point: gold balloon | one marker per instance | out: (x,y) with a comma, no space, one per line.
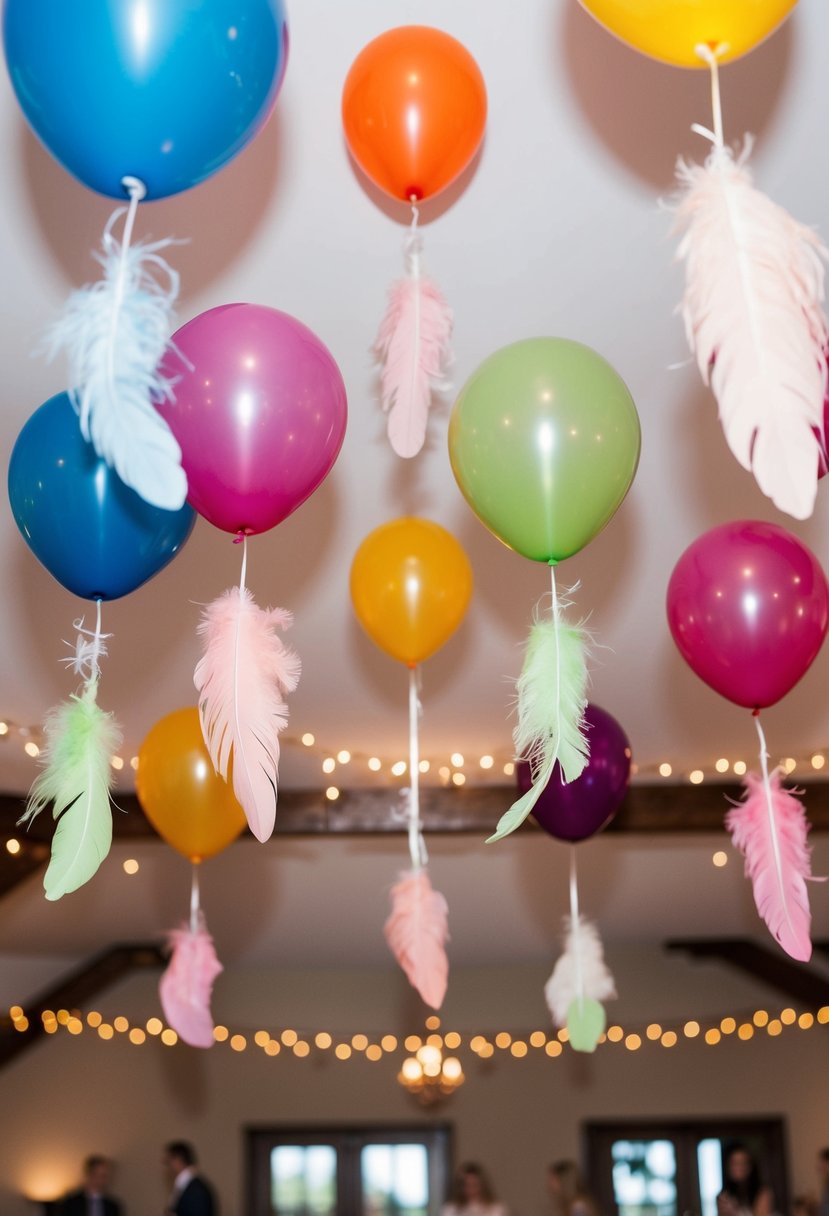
(192,808)
(410,586)
(671,30)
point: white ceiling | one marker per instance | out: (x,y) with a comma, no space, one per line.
(557,231)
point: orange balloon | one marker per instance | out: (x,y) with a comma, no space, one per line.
(410,586)
(192,808)
(414,110)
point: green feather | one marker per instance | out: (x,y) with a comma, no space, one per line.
(552,698)
(80,741)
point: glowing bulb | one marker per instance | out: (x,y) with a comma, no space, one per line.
(169,1037)
(424,766)
(503,1039)
(373,1052)
(220,1033)
(117,763)
(696,776)
(411,1070)
(456,759)
(722,765)
(459,778)
(94,1019)
(155,1026)
(509,769)
(712,1036)
(433,1022)
(398,768)
(302,1049)
(359,1042)
(720,859)
(329,764)
(137,1036)
(342,1051)
(553,1048)
(654,1031)
(238,1042)
(818,760)
(289,1037)
(453,1040)
(133,762)
(452,1069)
(31,749)
(375,764)
(615,1034)
(343,756)
(690,1029)
(4,728)
(131,866)
(444,773)
(388,1042)
(518,1049)
(261,1038)
(323,1040)
(486,762)
(308,739)
(665,770)
(739,767)
(332,793)
(13,846)
(633,1042)
(669,1038)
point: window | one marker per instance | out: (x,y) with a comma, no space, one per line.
(348,1171)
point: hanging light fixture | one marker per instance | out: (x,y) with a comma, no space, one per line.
(430,1076)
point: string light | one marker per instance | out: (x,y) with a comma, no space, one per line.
(13,846)
(375,764)
(398,768)
(332,793)
(343,756)
(131,866)
(720,859)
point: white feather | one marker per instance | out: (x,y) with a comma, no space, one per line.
(115,333)
(580,971)
(754,319)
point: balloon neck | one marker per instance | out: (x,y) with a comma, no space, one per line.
(755,713)
(552,561)
(196,861)
(241,535)
(412,666)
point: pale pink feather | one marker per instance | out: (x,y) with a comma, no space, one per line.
(416,932)
(242,679)
(772,838)
(187,985)
(753,315)
(413,347)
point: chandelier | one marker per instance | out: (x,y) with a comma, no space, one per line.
(429,1076)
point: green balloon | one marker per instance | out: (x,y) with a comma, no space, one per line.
(544,442)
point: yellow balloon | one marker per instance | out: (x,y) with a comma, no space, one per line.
(192,808)
(410,586)
(671,30)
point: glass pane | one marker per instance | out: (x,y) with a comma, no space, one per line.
(644,1177)
(304,1180)
(395,1179)
(709,1168)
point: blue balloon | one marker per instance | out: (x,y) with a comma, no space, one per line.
(91,532)
(163,90)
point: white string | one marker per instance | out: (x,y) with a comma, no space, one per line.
(244,574)
(88,649)
(574,927)
(136,191)
(557,622)
(711,57)
(775,843)
(417,849)
(195,904)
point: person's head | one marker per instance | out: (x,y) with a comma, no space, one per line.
(471,1185)
(96,1171)
(823,1166)
(178,1156)
(741,1176)
(564,1182)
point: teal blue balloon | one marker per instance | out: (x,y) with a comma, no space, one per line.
(166,91)
(91,532)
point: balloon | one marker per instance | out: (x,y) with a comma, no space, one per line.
(414,110)
(163,90)
(260,414)
(585,806)
(748,607)
(671,30)
(192,808)
(91,532)
(410,585)
(544,443)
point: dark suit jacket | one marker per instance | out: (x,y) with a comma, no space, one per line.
(75,1204)
(196,1199)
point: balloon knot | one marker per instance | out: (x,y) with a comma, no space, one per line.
(755,713)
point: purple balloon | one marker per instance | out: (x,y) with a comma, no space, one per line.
(748,607)
(583,807)
(260,414)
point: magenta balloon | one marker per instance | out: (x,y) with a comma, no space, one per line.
(260,414)
(748,607)
(583,807)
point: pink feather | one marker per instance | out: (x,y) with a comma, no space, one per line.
(242,679)
(186,986)
(413,347)
(771,833)
(754,319)
(416,932)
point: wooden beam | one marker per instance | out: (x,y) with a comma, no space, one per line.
(73,991)
(770,966)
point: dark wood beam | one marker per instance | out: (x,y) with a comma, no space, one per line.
(73,991)
(800,983)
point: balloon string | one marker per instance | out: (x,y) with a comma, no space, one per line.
(136,191)
(556,629)
(574,926)
(711,56)
(244,573)
(764,769)
(195,905)
(417,850)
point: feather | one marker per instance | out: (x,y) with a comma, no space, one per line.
(413,348)
(552,699)
(77,775)
(115,333)
(754,319)
(242,678)
(416,931)
(580,975)
(187,984)
(770,831)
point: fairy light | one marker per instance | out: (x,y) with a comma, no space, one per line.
(456,760)
(131,866)
(13,846)
(712,1036)
(169,1037)
(117,763)
(459,779)
(93,1019)
(509,769)
(654,1031)
(31,749)
(105,1031)
(775,1027)
(238,1042)
(359,1042)
(272,1048)
(722,765)
(788,1017)
(412,1042)
(806,1021)
(789,765)
(519,1049)
(398,768)
(261,1038)
(424,766)
(322,1040)
(665,770)
(486,762)
(760,1018)
(503,1039)
(691,1029)
(343,756)
(720,859)
(615,1034)
(696,776)
(374,1052)
(375,764)
(137,1036)
(739,767)
(633,1042)
(154,1026)
(329,764)
(669,1038)
(537,1039)
(342,1051)
(134,762)
(289,1037)
(745,1032)
(388,1043)
(302,1049)
(554,1048)
(433,1022)
(120,1024)
(444,772)
(332,793)
(4,729)
(308,740)
(220,1033)
(728,1026)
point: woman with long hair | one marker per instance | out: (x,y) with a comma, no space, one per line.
(742,1194)
(568,1191)
(472,1193)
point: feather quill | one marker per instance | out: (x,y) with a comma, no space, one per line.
(242,679)
(754,318)
(414,351)
(771,833)
(186,986)
(552,699)
(416,931)
(115,333)
(580,974)
(80,741)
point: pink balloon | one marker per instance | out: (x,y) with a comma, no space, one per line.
(260,414)
(748,607)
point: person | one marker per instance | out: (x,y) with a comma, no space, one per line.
(472,1194)
(568,1191)
(190,1194)
(742,1194)
(823,1176)
(92,1198)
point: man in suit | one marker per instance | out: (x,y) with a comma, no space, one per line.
(92,1198)
(190,1194)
